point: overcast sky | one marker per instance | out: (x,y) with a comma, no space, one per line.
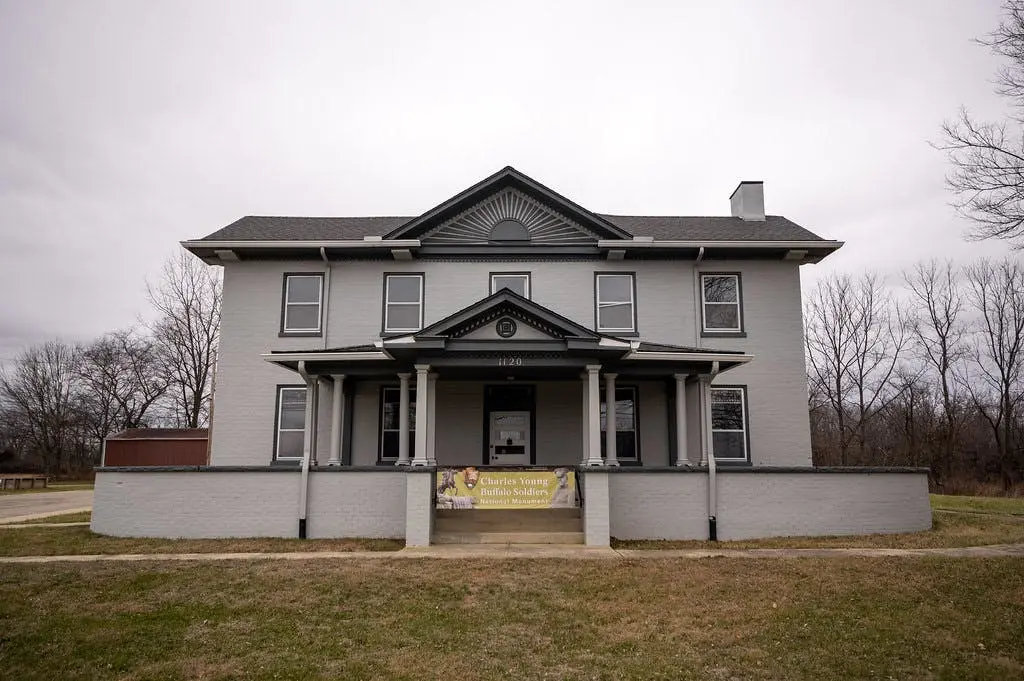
(126,127)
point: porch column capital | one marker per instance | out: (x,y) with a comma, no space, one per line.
(421,368)
(611,422)
(593,369)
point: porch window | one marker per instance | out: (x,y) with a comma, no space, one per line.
(390,401)
(616,303)
(403,302)
(517,282)
(626,447)
(720,296)
(291,422)
(303,295)
(729,423)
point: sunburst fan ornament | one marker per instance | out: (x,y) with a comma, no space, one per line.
(499,219)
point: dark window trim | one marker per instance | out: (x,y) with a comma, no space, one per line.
(746,423)
(597,318)
(384,302)
(635,387)
(282,332)
(529,282)
(723,333)
(381,461)
(277,419)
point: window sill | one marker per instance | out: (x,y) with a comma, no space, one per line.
(723,334)
(299,334)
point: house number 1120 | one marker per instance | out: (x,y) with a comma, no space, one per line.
(510,361)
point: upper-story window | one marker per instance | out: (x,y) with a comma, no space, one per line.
(403,302)
(721,303)
(616,302)
(517,282)
(302,304)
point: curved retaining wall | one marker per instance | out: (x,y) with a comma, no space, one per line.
(206,502)
(766,502)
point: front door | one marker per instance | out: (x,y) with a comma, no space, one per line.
(510,438)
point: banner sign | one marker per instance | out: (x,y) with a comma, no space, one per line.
(468,488)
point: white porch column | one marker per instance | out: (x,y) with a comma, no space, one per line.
(584,428)
(403,420)
(593,416)
(422,414)
(681,456)
(309,435)
(707,442)
(337,419)
(431,421)
(611,444)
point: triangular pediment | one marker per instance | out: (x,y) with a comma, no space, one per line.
(518,206)
(489,319)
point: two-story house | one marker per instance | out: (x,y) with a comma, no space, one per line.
(509,326)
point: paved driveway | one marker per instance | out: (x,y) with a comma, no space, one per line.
(18,505)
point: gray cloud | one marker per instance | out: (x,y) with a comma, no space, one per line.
(126,127)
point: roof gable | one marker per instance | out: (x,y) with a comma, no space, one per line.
(510,209)
(472,199)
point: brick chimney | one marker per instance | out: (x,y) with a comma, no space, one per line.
(747,201)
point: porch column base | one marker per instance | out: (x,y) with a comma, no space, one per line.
(419,508)
(596,509)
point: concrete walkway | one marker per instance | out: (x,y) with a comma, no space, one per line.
(541,551)
(30,505)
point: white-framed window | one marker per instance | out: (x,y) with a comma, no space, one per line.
(303,298)
(517,282)
(390,411)
(403,302)
(720,299)
(290,424)
(626,445)
(729,423)
(616,302)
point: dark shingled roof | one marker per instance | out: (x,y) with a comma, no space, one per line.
(162,434)
(262,228)
(664,347)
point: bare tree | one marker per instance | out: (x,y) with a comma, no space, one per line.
(937,332)
(988,158)
(186,333)
(38,398)
(855,336)
(994,378)
(122,379)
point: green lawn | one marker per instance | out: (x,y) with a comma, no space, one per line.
(717,618)
(53,487)
(80,517)
(997,505)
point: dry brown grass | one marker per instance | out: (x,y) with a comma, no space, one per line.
(434,619)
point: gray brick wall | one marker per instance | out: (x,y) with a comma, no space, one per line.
(247,504)
(659,506)
(243,421)
(419,507)
(674,505)
(596,508)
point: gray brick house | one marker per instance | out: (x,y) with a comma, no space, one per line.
(659,357)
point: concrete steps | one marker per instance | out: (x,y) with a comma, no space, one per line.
(513,526)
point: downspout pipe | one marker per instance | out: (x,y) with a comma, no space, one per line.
(306,453)
(327,292)
(712,466)
(698,322)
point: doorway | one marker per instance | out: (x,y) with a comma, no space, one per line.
(509,428)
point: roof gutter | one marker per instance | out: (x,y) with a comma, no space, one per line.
(629,245)
(349,243)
